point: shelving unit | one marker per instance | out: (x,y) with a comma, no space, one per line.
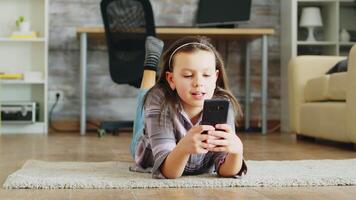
(24,56)
(336,15)
(22,40)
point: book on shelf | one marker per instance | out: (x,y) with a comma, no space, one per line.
(11,76)
(23,35)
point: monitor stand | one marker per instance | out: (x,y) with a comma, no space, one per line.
(220,26)
(226,26)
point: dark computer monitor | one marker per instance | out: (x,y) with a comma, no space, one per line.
(215,13)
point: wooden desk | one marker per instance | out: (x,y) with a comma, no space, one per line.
(175,33)
(245,34)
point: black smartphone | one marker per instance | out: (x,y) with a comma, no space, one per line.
(215,111)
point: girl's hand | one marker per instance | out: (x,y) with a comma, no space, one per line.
(228,141)
(194,142)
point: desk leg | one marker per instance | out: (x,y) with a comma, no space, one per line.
(83,75)
(264,83)
(247,86)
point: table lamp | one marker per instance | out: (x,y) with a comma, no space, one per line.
(310,19)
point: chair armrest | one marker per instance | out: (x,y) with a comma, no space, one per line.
(300,70)
(351,96)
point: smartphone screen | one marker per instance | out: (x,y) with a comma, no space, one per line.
(215,111)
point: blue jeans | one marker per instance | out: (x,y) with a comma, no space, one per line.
(139,122)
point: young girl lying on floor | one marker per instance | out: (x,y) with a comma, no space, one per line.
(167,131)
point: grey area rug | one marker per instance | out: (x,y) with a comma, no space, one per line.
(53,175)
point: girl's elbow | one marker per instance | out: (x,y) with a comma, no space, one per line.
(227,175)
(171,176)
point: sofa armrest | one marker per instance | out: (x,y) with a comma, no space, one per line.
(300,70)
(351,96)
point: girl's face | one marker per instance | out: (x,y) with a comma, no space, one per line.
(194,77)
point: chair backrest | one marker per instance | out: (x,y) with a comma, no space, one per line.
(127,23)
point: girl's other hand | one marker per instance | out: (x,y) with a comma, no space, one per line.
(228,141)
(194,142)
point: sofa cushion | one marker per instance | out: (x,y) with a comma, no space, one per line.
(316,89)
(340,66)
(327,87)
(337,86)
(325,120)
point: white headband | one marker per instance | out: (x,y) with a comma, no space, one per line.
(183,45)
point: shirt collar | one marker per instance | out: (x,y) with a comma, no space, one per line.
(186,116)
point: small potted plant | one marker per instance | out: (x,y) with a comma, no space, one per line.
(22,25)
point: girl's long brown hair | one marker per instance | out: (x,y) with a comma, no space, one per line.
(171,98)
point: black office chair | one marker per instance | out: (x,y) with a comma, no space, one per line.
(127,23)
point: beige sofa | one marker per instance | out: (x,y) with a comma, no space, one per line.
(322,106)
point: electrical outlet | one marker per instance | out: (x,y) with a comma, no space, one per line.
(52,96)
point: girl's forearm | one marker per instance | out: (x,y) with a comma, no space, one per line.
(175,162)
(231,166)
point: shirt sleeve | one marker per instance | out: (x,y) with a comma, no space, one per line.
(159,129)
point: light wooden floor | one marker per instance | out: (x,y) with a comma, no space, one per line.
(16,149)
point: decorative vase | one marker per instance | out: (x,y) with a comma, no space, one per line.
(344,36)
(25,26)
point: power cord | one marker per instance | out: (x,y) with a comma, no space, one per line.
(274,129)
(52,127)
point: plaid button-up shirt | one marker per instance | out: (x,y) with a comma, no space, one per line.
(160,137)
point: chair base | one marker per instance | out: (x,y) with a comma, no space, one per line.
(114,127)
